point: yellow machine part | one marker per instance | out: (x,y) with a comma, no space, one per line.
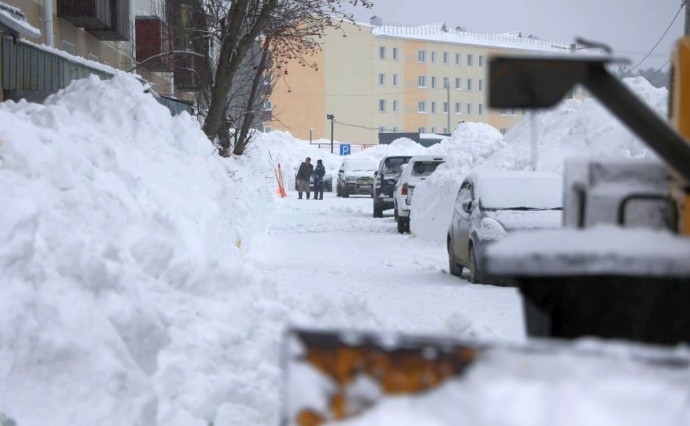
(679,116)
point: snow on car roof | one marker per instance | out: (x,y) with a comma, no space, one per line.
(505,190)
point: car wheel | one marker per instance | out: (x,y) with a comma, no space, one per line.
(454,268)
(344,193)
(395,213)
(377,211)
(401,225)
(475,274)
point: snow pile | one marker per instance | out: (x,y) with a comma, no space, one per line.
(470,144)
(125,296)
(573,129)
(283,148)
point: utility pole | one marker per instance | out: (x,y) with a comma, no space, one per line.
(446,82)
(687,18)
(332,118)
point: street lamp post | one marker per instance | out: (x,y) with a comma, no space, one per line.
(311,129)
(446,83)
(332,118)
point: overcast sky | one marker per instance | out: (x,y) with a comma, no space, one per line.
(630,27)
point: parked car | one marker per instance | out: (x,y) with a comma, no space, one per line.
(385,179)
(491,204)
(356,176)
(327,181)
(416,170)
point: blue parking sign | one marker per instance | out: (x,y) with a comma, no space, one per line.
(345,149)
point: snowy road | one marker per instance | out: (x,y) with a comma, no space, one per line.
(334,261)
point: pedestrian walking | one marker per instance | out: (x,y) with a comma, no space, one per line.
(319,173)
(306,169)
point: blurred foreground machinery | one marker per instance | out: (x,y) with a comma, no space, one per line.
(620,267)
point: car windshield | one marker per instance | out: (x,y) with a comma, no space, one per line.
(358,166)
(424,168)
(392,166)
(528,193)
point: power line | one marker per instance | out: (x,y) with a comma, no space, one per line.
(659,41)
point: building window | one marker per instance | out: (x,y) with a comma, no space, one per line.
(446,57)
(469,109)
(382,129)
(421,107)
(481,60)
(433,82)
(382,79)
(382,52)
(433,130)
(480,110)
(481,85)
(421,81)
(68,47)
(422,130)
(268,106)
(433,107)
(512,111)
(457,59)
(395,106)
(469,84)
(382,105)
(503,111)
(433,57)
(395,53)
(396,81)
(445,107)
(458,83)
(445,130)
(469,60)
(395,129)
(458,108)
(421,56)
(268,129)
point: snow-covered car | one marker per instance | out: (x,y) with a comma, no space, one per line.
(356,176)
(489,205)
(385,179)
(416,170)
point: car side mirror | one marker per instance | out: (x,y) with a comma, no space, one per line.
(467,206)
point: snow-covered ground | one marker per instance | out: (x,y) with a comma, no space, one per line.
(145,280)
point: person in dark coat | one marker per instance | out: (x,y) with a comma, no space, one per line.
(306,169)
(319,173)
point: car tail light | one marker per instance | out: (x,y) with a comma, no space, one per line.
(403,190)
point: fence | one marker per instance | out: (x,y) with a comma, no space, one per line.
(32,73)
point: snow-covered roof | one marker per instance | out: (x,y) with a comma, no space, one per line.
(441,33)
(14,21)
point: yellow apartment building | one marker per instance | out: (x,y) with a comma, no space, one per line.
(390,78)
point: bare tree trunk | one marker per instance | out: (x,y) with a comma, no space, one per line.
(243,140)
(233,50)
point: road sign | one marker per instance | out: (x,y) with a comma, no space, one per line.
(345,149)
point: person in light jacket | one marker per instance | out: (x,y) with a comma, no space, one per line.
(319,173)
(306,169)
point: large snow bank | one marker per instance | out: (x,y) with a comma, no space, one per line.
(469,145)
(574,128)
(125,297)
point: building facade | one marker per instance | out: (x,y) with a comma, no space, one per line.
(380,78)
(80,37)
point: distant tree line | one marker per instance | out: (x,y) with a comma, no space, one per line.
(657,77)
